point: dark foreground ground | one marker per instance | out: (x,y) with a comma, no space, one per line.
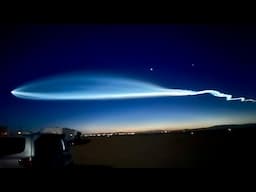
(209,148)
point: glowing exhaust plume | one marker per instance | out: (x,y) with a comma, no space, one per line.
(96,87)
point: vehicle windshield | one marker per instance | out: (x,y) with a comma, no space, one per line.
(9,146)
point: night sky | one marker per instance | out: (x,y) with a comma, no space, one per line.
(191,57)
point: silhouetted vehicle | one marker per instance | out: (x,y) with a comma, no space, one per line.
(35,150)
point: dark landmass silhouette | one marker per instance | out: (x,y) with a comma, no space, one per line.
(217,146)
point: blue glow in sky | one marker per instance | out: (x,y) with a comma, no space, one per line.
(96,87)
(130,59)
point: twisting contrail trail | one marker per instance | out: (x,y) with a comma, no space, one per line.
(99,87)
(219,94)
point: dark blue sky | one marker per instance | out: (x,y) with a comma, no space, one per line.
(223,57)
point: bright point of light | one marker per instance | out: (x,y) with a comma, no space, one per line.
(19,133)
(151,69)
(95,87)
